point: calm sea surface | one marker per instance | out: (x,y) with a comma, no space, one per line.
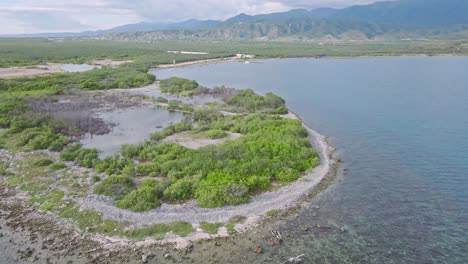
(401,126)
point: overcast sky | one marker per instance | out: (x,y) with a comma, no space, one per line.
(33,16)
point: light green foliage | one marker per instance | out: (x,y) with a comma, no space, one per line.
(84,157)
(158,231)
(43,162)
(282,110)
(171,130)
(95,178)
(4,167)
(206,116)
(115,186)
(181,190)
(215,134)
(230,227)
(176,105)
(272,148)
(249,101)
(182,229)
(49,201)
(42,138)
(130,151)
(272,213)
(143,199)
(210,228)
(58,166)
(178,86)
(115,165)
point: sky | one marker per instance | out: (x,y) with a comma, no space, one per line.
(35,16)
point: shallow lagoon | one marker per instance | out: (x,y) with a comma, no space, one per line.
(131,126)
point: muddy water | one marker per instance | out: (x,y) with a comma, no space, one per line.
(131,126)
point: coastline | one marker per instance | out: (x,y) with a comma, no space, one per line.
(195,62)
(282,200)
(257,59)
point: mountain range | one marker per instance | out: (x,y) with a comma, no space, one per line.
(403,18)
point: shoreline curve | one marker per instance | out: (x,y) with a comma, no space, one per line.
(285,198)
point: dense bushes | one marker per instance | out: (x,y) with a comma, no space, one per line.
(171,130)
(42,138)
(116,187)
(271,149)
(176,105)
(104,78)
(215,134)
(180,190)
(84,157)
(178,86)
(43,162)
(249,101)
(143,199)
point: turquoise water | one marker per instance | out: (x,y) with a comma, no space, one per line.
(401,126)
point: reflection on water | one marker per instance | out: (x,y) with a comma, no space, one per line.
(132,126)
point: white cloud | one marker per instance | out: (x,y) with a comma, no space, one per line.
(31,16)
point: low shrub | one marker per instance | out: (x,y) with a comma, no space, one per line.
(44,162)
(143,199)
(210,228)
(180,190)
(84,157)
(178,86)
(215,134)
(58,166)
(116,187)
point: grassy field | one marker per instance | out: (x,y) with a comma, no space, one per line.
(24,52)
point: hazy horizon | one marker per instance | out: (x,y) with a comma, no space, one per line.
(29,17)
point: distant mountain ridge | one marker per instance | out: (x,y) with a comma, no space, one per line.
(404,18)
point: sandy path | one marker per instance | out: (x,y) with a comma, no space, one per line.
(14,72)
(284,198)
(188,63)
(186,140)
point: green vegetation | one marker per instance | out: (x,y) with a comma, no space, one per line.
(84,157)
(4,167)
(142,199)
(210,228)
(170,130)
(58,166)
(115,186)
(44,162)
(182,229)
(215,134)
(178,86)
(271,149)
(250,102)
(230,227)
